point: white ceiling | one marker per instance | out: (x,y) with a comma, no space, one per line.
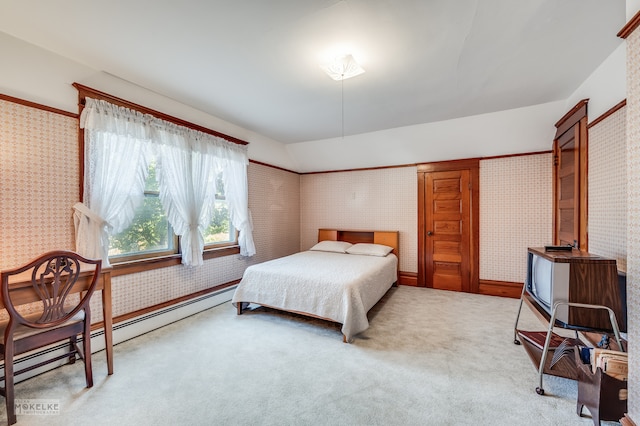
(255,63)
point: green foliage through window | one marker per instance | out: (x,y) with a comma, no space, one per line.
(151,232)
(220,229)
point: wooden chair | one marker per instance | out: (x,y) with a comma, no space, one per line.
(59,315)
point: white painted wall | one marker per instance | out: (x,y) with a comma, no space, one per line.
(519,130)
(37,75)
(31,73)
(633,6)
(605,87)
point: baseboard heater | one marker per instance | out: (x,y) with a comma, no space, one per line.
(123,331)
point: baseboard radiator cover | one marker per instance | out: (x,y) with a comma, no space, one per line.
(122,331)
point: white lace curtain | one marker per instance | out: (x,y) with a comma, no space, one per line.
(119,144)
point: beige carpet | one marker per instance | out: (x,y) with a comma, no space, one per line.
(429,358)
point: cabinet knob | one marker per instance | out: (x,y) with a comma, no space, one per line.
(429,233)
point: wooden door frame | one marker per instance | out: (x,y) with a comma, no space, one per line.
(473,165)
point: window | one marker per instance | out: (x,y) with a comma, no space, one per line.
(220,230)
(151,235)
(144,174)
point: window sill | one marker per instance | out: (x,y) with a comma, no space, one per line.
(134,266)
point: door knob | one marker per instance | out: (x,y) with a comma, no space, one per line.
(429,233)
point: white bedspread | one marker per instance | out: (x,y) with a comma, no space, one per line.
(340,287)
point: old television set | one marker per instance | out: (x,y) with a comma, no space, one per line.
(578,277)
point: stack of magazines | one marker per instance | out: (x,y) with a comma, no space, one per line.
(613,363)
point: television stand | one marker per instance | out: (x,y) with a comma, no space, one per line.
(539,355)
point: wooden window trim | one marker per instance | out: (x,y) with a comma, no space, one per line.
(149,264)
(162,261)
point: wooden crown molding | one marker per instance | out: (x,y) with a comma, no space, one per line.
(37,106)
(272,166)
(630,26)
(98,95)
(608,113)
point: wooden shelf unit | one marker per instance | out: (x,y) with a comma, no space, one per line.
(539,357)
(593,305)
(563,368)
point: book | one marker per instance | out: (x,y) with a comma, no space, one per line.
(558,248)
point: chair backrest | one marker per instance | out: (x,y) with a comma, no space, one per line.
(49,280)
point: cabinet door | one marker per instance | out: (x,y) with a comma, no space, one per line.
(567,190)
(570,179)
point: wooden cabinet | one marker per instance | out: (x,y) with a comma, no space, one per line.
(585,296)
(587,279)
(570,179)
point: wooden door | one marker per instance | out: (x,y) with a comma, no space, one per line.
(447,248)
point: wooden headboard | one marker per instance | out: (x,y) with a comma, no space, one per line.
(387,238)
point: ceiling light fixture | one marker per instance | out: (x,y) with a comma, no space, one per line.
(340,69)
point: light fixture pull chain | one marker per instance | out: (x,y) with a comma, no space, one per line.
(342,90)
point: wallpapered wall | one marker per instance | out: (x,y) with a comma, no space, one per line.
(39,177)
(39,185)
(516,195)
(607,227)
(273,201)
(515,212)
(633,220)
(383,199)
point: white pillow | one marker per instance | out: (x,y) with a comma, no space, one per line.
(370,249)
(333,246)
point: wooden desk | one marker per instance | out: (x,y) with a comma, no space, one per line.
(23,293)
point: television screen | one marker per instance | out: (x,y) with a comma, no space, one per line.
(542,279)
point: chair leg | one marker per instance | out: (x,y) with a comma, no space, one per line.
(8,385)
(72,348)
(86,343)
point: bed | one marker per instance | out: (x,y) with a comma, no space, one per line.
(339,279)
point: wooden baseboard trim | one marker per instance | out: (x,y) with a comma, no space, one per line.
(140,312)
(626,421)
(408,278)
(500,288)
